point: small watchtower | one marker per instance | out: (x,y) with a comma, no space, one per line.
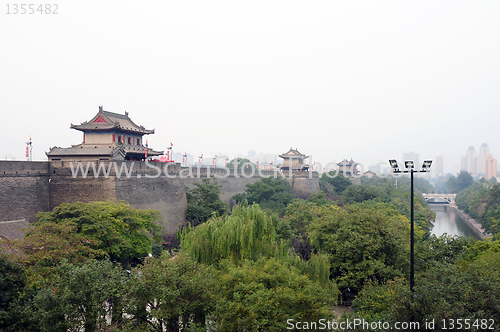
(350,167)
(294,160)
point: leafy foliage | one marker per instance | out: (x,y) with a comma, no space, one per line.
(204,201)
(81,297)
(177,292)
(262,295)
(441,184)
(421,184)
(442,249)
(270,193)
(394,191)
(363,243)
(81,231)
(247,234)
(240,164)
(460,182)
(361,193)
(319,198)
(333,184)
(463,285)
(12,283)
(482,204)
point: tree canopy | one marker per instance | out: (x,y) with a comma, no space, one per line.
(482,204)
(461,287)
(460,182)
(81,231)
(241,162)
(333,184)
(204,201)
(364,241)
(270,193)
(262,295)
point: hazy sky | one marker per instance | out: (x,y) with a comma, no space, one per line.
(367,80)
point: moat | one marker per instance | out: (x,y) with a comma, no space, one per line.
(450,222)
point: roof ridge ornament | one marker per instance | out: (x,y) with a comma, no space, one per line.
(100,108)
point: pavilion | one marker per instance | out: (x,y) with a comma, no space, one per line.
(294,160)
(107,136)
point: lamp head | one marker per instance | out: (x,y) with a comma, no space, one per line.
(394,165)
(409,164)
(427,164)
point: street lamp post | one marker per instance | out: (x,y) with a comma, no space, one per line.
(409,169)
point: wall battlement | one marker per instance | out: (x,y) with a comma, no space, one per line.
(29,187)
(24,168)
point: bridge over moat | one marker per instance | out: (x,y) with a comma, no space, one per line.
(440,198)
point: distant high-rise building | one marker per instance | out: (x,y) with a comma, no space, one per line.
(439,169)
(415,157)
(490,167)
(469,162)
(481,159)
(482,164)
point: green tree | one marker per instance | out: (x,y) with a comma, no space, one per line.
(81,296)
(247,234)
(441,186)
(270,193)
(204,201)
(265,294)
(364,242)
(463,286)
(240,164)
(298,216)
(482,204)
(117,229)
(177,292)
(442,249)
(319,198)
(361,193)
(12,284)
(400,198)
(81,231)
(421,185)
(333,184)
(459,183)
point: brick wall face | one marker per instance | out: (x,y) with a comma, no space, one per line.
(24,189)
(29,187)
(163,194)
(65,189)
(23,196)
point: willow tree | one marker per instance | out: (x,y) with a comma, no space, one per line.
(248,234)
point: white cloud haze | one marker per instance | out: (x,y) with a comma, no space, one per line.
(367,80)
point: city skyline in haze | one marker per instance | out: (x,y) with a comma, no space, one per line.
(367,81)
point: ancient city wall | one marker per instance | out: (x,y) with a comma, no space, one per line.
(29,187)
(24,189)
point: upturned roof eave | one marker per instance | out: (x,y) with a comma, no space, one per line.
(110,128)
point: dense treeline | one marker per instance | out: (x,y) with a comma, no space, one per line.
(82,268)
(88,267)
(462,286)
(482,202)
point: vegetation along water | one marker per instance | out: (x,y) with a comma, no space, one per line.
(274,259)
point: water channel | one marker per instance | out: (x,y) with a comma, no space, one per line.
(450,222)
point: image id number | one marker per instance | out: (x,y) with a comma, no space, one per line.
(24,8)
